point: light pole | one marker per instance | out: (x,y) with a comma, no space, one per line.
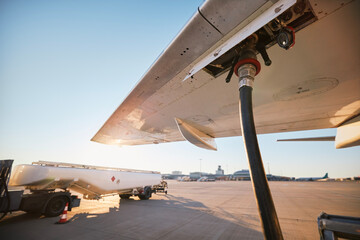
(200,166)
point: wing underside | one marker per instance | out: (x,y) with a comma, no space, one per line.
(314,85)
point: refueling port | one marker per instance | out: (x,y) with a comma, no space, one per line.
(279,30)
(286,37)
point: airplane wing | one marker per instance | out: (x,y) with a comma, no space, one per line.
(313,85)
(312,139)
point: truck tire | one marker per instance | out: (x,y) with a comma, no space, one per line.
(124,196)
(146,194)
(55,206)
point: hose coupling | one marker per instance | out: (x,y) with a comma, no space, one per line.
(246,73)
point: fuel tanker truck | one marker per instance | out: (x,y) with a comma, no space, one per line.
(45,186)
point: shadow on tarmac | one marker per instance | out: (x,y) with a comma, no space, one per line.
(169,217)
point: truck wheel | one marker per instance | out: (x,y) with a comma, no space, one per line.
(55,206)
(146,194)
(124,196)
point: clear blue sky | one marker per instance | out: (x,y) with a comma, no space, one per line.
(66,65)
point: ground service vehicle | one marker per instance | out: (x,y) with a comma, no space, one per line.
(46,200)
(49,185)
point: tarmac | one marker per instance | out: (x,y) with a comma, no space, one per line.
(193,210)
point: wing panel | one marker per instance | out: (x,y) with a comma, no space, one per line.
(314,85)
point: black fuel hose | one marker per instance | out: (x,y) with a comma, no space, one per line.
(270,222)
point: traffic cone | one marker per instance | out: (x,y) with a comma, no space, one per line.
(63,216)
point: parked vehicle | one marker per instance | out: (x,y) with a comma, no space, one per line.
(49,185)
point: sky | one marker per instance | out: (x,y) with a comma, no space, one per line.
(65,66)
